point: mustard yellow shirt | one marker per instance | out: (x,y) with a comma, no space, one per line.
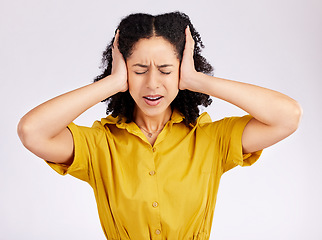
(165,191)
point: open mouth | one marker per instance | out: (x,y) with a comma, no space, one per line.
(153,100)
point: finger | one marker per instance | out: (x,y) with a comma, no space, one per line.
(190,43)
(116,38)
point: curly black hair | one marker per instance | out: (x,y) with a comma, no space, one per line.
(170,26)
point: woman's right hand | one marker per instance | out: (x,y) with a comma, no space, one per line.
(119,69)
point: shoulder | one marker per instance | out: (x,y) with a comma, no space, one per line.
(224,126)
(98,130)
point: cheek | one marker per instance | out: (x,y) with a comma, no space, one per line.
(132,84)
(175,80)
(173,85)
(136,85)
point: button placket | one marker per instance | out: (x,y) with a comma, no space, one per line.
(155,207)
(152,172)
(155,204)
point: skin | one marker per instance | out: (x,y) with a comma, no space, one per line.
(276,115)
(44,131)
(153,72)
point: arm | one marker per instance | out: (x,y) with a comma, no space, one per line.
(276,115)
(44,131)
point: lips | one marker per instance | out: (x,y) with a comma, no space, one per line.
(153,100)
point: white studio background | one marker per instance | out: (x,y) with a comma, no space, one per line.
(50,47)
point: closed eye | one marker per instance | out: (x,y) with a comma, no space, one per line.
(165,72)
(140,72)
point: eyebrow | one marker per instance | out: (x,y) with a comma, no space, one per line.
(165,65)
(146,66)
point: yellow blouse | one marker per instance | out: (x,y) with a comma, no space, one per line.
(164,191)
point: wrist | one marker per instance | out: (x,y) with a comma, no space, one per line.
(195,82)
(115,84)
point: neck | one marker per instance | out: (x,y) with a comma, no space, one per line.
(151,123)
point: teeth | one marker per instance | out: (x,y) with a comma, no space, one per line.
(152,98)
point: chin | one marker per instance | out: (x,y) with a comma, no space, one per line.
(152,111)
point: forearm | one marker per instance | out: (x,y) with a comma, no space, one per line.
(50,118)
(276,115)
(267,106)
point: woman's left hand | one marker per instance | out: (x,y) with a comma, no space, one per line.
(188,73)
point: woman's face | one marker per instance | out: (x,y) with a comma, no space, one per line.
(153,76)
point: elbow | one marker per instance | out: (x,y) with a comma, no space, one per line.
(22,131)
(295,117)
(25,133)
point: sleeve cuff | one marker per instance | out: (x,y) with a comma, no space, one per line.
(236,153)
(64,169)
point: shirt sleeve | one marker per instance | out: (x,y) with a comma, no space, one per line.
(85,139)
(227,136)
(235,156)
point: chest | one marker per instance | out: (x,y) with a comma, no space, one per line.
(137,167)
(172,180)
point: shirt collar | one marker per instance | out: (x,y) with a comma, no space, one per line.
(176,117)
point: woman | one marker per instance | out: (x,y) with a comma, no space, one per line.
(155,164)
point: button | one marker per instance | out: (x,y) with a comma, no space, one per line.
(155,204)
(158,231)
(154,149)
(152,173)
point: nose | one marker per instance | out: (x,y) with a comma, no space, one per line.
(152,80)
